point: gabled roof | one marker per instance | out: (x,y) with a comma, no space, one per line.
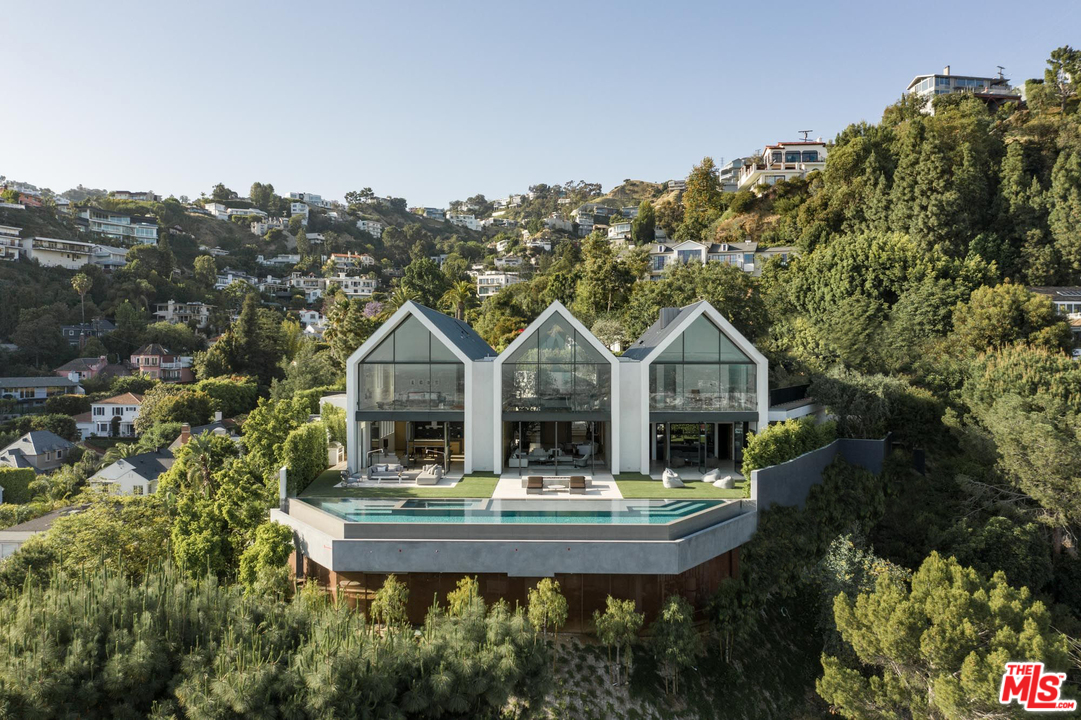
(86,363)
(34,382)
(124,399)
(147,466)
(733,247)
(656,334)
(152,349)
(38,442)
(457,332)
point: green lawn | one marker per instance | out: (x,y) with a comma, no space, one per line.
(471,486)
(636,485)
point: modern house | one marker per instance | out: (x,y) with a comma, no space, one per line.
(994,91)
(372,227)
(53,252)
(196,314)
(728,175)
(121,225)
(155,361)
(134,475)
(352,261)
(433,213)
(556,385)
(10,242)
(115,416)
(32,392)
(783,161)
(41,450)
(684,395)
(466,221)
(619,232)
(109,258)
(137,196)
(489,283)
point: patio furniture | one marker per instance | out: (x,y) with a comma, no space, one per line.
(430,475)
(712,476)
(385,471)
(518,460)
(534,484)
(583,461)
(538,454)
(577,484)
(670,478)
(726,483)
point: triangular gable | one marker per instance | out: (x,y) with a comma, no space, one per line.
(409,309)
(557,308)
(727,329)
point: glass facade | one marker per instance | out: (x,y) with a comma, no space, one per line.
(412,370)
(703,370)
(556,370)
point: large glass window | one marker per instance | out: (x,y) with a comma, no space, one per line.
(556,369)
(702,369)
(412,370)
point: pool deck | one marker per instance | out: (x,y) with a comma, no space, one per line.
(600,486)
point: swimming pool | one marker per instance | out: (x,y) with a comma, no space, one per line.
(466,511)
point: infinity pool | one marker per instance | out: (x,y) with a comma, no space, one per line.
(510,512)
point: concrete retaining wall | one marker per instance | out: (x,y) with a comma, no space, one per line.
(790,482)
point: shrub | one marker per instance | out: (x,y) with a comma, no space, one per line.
(334,418)
(62,425)
(67,404)
(270,551)
(231,395)
(16,484)
(305,455)
(173,403)
(781,442)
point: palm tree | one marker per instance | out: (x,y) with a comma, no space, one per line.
(460,296)
(82,284)
(395,300)
(199,449)
(121,450)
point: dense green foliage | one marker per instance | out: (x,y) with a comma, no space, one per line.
(781,442)
(16,483)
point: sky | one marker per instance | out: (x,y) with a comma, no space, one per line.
(437,101)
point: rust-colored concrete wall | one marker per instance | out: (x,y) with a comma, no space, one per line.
(584,593)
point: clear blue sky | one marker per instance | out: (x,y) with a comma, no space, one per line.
(437,101)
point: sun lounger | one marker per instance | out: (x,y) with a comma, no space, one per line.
(577,484)
(534,484)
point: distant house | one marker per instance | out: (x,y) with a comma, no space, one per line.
(82,368)
(619,232)
(351,261)
(32,392)
(309,199)
(155,361)
(115,416)
(677,184)
(12,538)
(433,213)
(279,260)
(177,313)
(121,225)
(77,335)
(228,276)
(137,196)
(783,161)
(134,475)
(41,450)
(555,221)
(1067,303)
(301,209)
(372,227)
(662,256)
(54,252)
(220,426)
(10,242)
(489,283)
(508,261)
(109,258)
(467,221)
(355,287)
(992,91)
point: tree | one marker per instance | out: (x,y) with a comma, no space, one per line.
(206,271)
(311,367)
(999,315)
(304,247)
(1063,73)
(262,195)
(1064,200)
(268,553)
(676,643)
(935,647)
(82,284)
(267,428)
(643,226)
(459,297)
(547,607)
(463,597)
(348,326)
(390,604)
(702,200)
(173,403)
(1039,446)
(618,627)
(220,193)
(425,281)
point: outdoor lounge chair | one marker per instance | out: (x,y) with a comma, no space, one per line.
(577,484)
(534,484)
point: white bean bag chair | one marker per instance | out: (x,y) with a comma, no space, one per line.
(712,476)
(670,478)
(726,483)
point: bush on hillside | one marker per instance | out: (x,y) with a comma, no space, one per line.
(305,455)
(782,442)
(16,483)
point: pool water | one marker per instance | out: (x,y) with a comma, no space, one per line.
(487,511)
